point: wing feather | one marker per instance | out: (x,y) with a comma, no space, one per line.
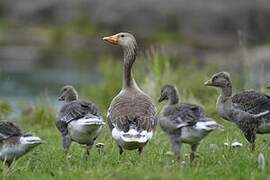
(251,101)
(183,114)
(8,129)
(75,110)
(136,111)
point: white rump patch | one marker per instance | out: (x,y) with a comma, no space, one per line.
(30,140)
(89,120)
(131,136)
(206,125)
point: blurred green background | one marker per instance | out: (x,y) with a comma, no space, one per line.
(45,44)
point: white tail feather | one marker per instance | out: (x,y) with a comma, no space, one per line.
(90,121)
(262,114)
(207,125)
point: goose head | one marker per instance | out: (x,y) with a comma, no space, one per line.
(221,80)
(129,46)
(124,39)
(168,92)
(68,93)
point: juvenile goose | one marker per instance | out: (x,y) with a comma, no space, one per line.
(248,109)
(78,120)
(14,143)
(183,122)
(131,115)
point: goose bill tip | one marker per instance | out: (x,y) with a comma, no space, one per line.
(207,83)
(111,39)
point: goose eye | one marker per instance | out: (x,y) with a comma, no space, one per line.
(122,35)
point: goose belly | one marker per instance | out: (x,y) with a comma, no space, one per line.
(11,152)
(190,135)
(84,132)
(166,125)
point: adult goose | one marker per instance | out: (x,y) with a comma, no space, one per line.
(249,110)
(78,121)
(183,122)
(132,114)
(14,143)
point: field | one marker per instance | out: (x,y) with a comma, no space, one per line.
(214,161)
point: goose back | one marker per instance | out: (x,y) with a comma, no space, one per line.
(180,115)
(132,108)
(8,129)
(75,110)
(251,102)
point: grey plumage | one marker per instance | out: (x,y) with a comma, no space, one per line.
(183,122)
(75,110)
(251,101)
(132,109)
(14,143)
(132,114)
(8,129)
(78,120)
(249,110)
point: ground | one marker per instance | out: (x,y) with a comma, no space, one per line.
(213,162)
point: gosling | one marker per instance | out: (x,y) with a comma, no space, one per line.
(183,122)
(78,121)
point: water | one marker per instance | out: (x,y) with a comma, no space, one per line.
(27,87)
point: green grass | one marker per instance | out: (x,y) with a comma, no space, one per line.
(47,162)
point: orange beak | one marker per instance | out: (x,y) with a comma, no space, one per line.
(111,39)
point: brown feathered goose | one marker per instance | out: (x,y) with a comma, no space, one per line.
(14,143)
(183,122)
(131,115)
(78,120)
(248,109)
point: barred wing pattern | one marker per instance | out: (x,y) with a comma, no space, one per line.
(132,110)
(8,129)
(183,114)
(251,101)
(75,110)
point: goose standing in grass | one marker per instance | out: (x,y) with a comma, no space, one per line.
(78,120)
(14,143)
(183,122)
(132,114)
(249,110)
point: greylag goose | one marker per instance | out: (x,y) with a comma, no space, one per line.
(248,109)
(14,143)
(183,122)
(78,121)
(132,114)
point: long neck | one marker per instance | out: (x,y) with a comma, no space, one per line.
(130,54)
(224,102)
